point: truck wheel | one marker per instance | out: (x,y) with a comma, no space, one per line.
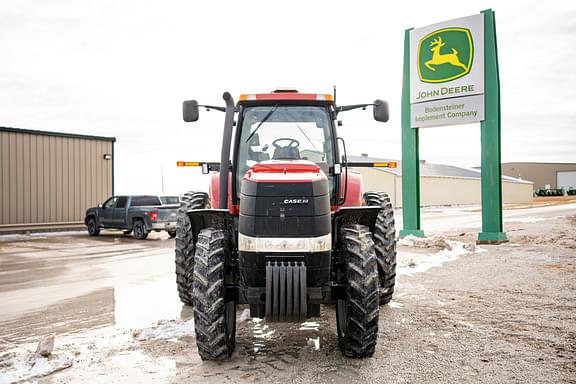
(172,234)
(185,246)
(93,229)
(214,317)
(384,237)
(139,230)
(357,313)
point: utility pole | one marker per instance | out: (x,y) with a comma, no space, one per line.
(162,176)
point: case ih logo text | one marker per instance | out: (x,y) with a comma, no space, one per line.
(445,55)
(296,201)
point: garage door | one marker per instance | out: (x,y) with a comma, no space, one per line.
(566,179)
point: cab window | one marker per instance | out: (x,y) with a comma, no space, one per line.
(110,203)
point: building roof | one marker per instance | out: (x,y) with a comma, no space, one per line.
(534,163)
(431,170)
(57,134)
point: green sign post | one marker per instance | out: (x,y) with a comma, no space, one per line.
(451,77)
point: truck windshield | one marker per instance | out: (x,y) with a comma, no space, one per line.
(285,132)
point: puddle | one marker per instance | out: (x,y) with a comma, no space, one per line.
(395,304)
(309,326)
(141,304)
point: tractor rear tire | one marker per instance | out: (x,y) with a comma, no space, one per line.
(185,243)
(214,317)
(357,313)
(384,237)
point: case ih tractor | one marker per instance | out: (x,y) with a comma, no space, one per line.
(286,226)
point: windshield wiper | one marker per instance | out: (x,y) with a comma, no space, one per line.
(305,135)
(270,112)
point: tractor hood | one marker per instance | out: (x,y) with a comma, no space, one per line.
(295,178)
(285,170)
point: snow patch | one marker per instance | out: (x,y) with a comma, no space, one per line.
(529,220)
(165,330)
(15,368)
(448,250)
(39,235)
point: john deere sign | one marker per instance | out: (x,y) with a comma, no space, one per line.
(447,64)
(451,77)
(433,55)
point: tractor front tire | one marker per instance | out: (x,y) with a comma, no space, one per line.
(214,317)
(357,313)
(185,243)
(384,237)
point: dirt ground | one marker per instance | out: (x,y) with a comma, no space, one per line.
(503,315)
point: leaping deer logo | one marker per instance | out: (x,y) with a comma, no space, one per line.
(443,58)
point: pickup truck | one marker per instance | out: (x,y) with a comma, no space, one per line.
(137,214)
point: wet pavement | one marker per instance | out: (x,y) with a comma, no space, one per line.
(111,301)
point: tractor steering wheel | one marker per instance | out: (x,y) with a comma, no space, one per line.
(293,143)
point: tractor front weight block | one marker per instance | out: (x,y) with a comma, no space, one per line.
(286,293)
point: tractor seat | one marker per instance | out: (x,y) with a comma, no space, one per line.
(286,153)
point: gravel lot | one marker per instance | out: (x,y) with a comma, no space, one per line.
(497,314)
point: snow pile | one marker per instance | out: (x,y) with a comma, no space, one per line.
(14,368)
(437,242)
(244,316)
(165,330)
(446,250)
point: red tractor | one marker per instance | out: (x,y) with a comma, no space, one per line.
(286,226)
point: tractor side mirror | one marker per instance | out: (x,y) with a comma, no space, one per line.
(381,112)
(190,111)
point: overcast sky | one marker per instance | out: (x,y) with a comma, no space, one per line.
(123,68)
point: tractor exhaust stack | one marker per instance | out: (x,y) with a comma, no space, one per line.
(225,156)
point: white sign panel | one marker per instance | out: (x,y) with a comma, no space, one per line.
(447,61)
(460,110)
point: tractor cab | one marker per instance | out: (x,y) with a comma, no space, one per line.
(285,127)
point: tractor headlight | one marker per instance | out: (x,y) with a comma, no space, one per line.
(284,244)
(246,243)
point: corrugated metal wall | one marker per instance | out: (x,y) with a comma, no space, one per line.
(48,180)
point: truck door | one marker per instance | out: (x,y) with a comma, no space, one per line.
(120,212)
(106,212)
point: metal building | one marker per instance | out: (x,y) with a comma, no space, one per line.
(48,179)
(544,175)
(440,184)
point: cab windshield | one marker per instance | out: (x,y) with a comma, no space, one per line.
(281,132)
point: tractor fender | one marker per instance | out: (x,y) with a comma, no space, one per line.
(354,191)
(214,218)
(364,215)
(214,191)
